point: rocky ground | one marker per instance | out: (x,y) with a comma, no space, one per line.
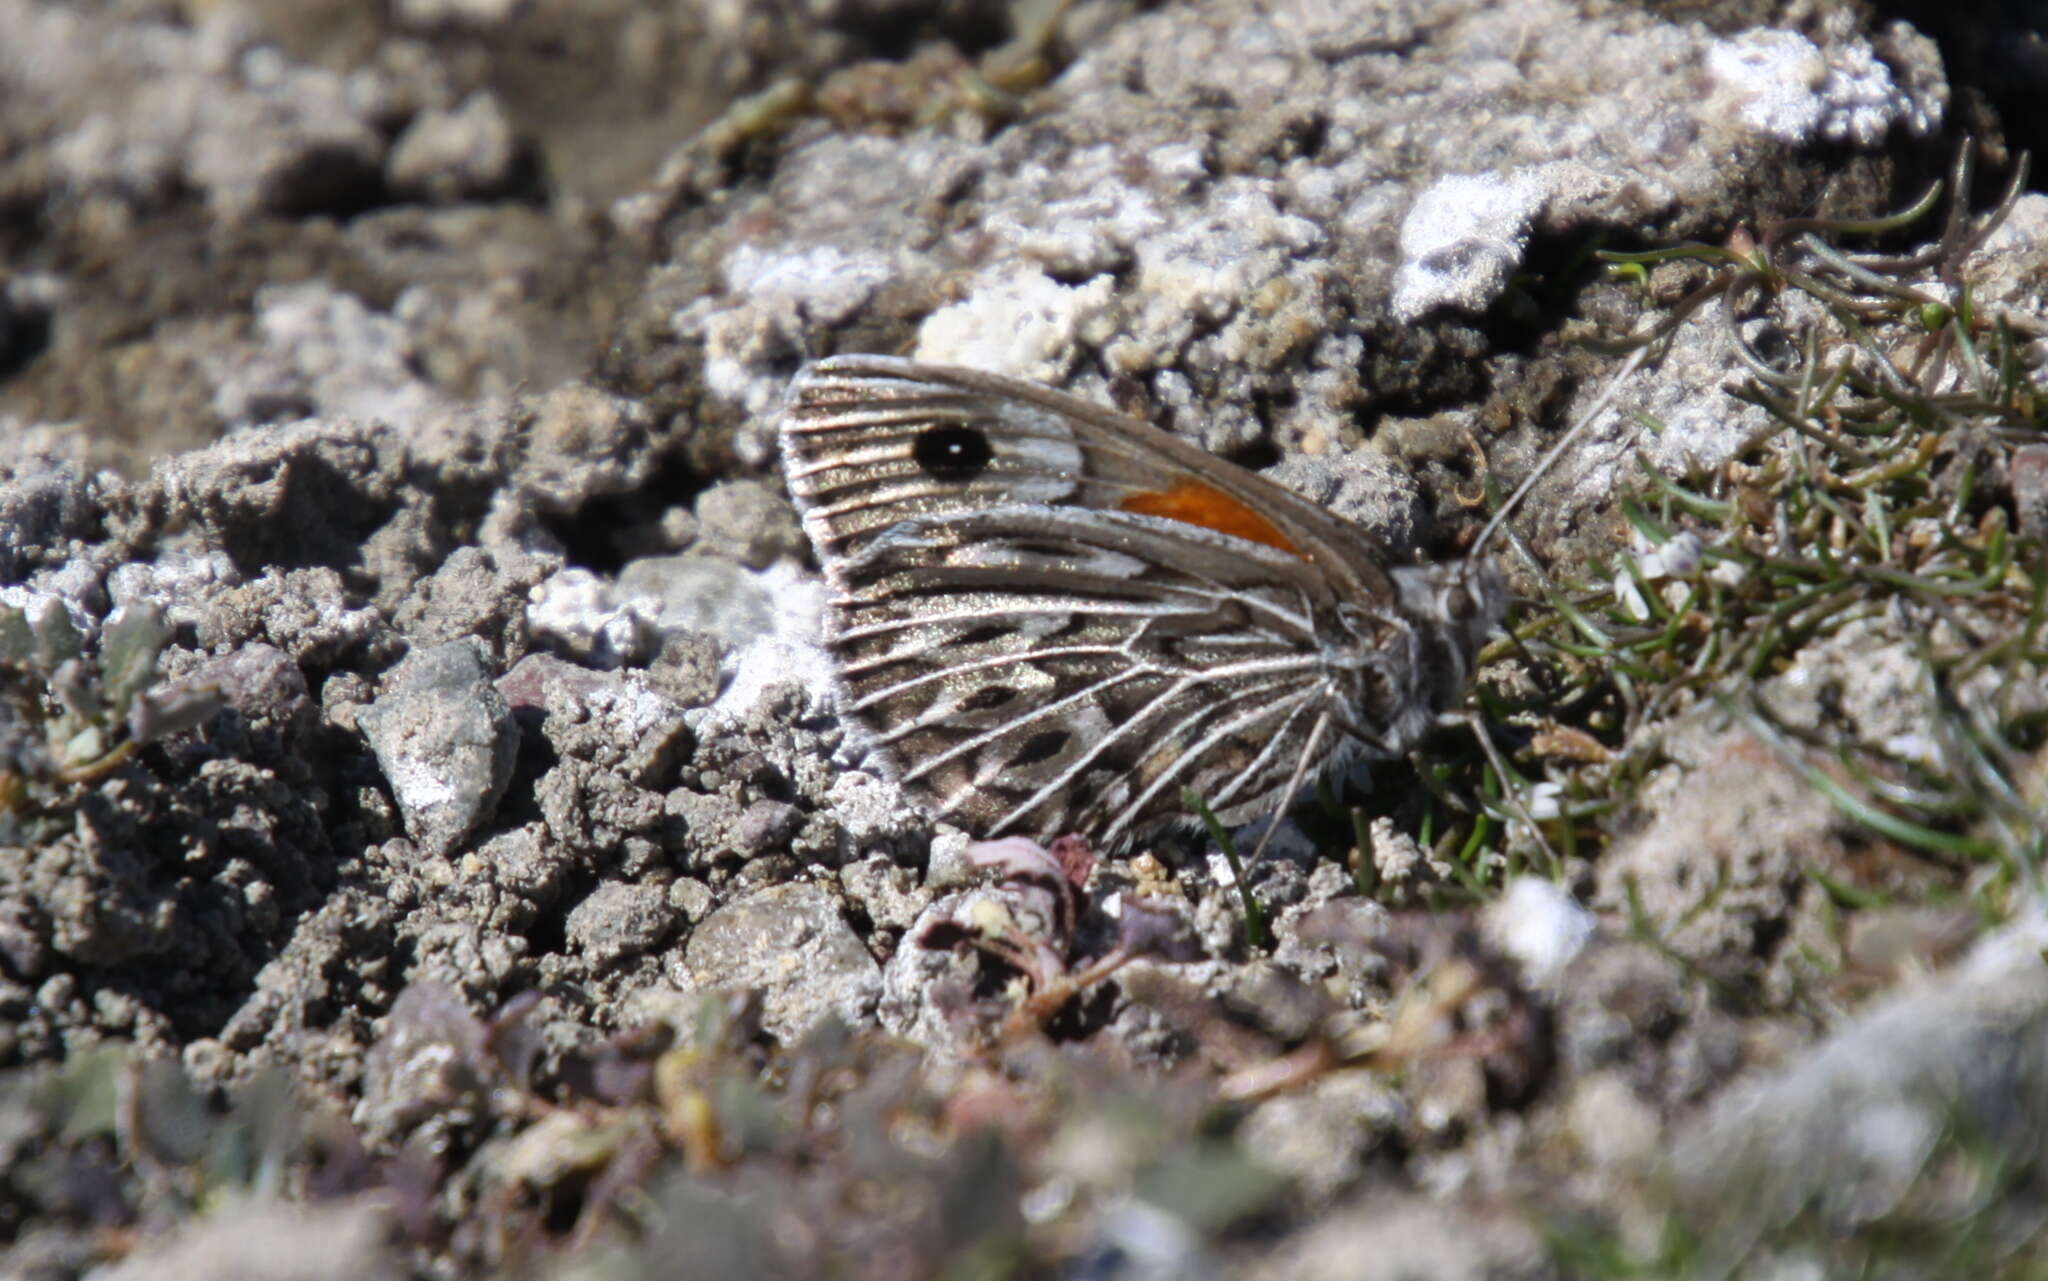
(427,843)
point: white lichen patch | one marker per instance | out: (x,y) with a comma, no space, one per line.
(1463,239)
(790,650)
(1022,323)
(1541,925)
(774,300)
(1783,85)
(1092,227)
(578,611)
(1207,269)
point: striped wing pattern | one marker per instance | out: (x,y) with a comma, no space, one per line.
(1035,651)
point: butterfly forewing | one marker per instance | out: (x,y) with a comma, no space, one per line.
(1052,618)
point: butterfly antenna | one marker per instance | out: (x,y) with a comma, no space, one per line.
(1556,451)
(1513,798)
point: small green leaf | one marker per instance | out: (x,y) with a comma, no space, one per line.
(88,744)
(1211,1185)
(1256,935)
(17,638)
(89,1092)
(57,638)
(128,653)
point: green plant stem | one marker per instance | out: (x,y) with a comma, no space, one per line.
(1257,935)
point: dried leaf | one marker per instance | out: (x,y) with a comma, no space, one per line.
(1075,857)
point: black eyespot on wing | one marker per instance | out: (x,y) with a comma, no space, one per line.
(1039,747)
(950,451)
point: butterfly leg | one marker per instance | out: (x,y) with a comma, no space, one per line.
(1294,782)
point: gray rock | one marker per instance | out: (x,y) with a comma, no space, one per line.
(577,613)
(700,594)
(338,958)
(1462,239)
(1620,1005)
(1322,1134)
(472,15)
(792,943)
(686,668)
(446,741)
(183,585)
(890,894)
(312,499)
(429,1067)
(148,109)
(2006,273)
(1251,289)
(1737,831)
(690,898)
(1618,1130)
(47,509)
(920,984)
(1847,1130)
(615,719)
(262,683)
(1390,1235)
(322,350)
(619,919)
(102,903)
(710,823)
(307,613)
(444,156)
(583,443)
(654,598)
(1369,488)
(250,1239)
(766,826)
(466,596)
(748,522)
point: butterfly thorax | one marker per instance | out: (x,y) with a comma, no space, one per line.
(1456,606)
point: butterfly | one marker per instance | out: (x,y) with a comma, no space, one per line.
(1050,618)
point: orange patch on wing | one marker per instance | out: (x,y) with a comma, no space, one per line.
(1194,503)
